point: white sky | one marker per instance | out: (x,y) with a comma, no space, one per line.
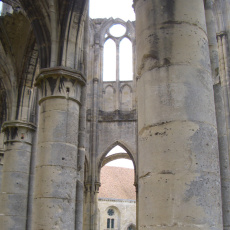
(124,163)
(112,8)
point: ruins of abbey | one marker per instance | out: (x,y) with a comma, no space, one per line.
(59,118)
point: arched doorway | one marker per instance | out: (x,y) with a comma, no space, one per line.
(117,195)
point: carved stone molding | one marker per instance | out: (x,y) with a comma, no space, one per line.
(60,82)
(18,131)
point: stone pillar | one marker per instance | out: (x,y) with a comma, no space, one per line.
(1,165)
(178,163)
(224,158)
(87,206)
(15,178)
(56,161)
(211,31)
(220,112)
(223,123)
(81,164)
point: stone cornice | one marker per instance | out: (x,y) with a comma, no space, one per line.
(116,200)
(63,71)
(21,124)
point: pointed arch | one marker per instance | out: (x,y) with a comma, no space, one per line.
(109,98)
(122,145)
(126,98)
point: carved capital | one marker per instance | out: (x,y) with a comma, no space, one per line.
(87,187)
(18,131)
(97,186)
(221,35)
(60,82)
(1,156)
(95,80)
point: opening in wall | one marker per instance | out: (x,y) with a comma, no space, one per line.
(117,196)
(109,61)
(126,60)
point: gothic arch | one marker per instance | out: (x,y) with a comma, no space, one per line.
(109,102)
(125,147)
(122,87)
(107,25)
(114,90)
(115,156)
(126,98)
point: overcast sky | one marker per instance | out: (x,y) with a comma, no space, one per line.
(125,163)
(112,8)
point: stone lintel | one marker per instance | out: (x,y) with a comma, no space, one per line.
(60,71)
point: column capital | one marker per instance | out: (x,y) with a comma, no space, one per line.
(221,34)
(97,186)
(95,80)
(1,156)
(60,71)
(18,124)
(60,82)
(18,131)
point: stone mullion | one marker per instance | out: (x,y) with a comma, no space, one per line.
(15,178)
(118,106)
(178,163)
(56,172)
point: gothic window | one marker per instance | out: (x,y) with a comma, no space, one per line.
(126,60)
(109,62)
(110,223)
(110,212)
(117,58)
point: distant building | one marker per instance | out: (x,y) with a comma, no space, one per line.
(117,199)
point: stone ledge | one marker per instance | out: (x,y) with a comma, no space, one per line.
(117,115)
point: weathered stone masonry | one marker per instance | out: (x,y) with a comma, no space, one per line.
(59,118)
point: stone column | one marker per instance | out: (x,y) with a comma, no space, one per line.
(15,178)
(178,163)
(56,161)
(1,165)
(220,111)
(223,124)
(81,163)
